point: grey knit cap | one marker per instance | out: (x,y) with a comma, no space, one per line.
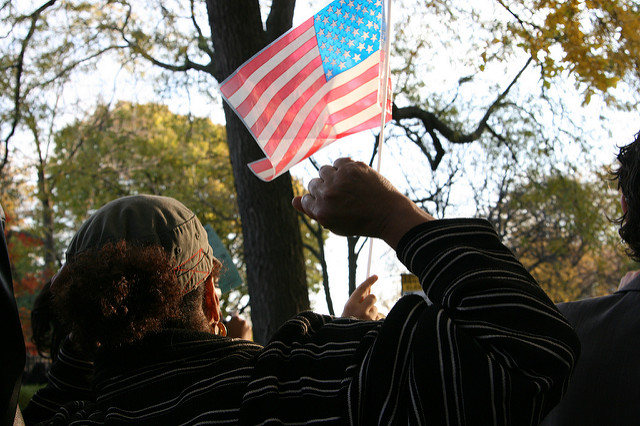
(149,220)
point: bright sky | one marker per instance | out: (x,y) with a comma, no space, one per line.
(609,129)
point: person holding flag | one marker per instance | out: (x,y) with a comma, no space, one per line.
(138,291)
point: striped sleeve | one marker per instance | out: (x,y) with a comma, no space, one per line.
(69,379)
(488,347)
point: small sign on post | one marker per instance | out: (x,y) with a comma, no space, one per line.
(410,284)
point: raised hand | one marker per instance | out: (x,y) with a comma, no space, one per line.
(362,303)
(350,198)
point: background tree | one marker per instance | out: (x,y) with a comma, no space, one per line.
(144,148)
(132,148)
(529,45)
(559,227)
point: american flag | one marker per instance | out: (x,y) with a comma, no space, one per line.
(316,83)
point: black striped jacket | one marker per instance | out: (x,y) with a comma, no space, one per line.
(488,347)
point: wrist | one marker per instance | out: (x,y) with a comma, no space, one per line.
(403,218)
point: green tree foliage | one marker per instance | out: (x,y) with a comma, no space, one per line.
(145,148)
(598,42)
(501,90)
(558,226)
(133,149)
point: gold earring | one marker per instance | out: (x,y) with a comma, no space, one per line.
(220,329)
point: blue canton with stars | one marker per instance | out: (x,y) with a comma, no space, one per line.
(348,32)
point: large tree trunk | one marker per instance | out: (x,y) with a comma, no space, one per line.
(50,258)
(272,241)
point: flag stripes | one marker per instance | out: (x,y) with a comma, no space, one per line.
(289,101)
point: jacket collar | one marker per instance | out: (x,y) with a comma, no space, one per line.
(634,285)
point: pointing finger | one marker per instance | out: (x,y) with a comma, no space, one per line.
(364,288)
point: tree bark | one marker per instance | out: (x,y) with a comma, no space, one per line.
(352,256)
(50,259)
(273,252)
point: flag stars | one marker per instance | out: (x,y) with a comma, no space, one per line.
(346,34)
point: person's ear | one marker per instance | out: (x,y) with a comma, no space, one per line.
(623,203)
(211,301)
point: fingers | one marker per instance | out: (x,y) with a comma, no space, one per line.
(314,186)
(364,288)
(297,203)
(304,204)
(370,300)
(341,162)
(362,303)
(326,172)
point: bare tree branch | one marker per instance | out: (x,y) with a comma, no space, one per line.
(17,91)
(434,125)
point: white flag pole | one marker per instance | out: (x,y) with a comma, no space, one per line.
(383,116)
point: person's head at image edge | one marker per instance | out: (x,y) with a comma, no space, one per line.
(627,174)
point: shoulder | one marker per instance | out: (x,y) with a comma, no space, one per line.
(599,310)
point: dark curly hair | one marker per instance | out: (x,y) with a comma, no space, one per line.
(628,176)
(119,293)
